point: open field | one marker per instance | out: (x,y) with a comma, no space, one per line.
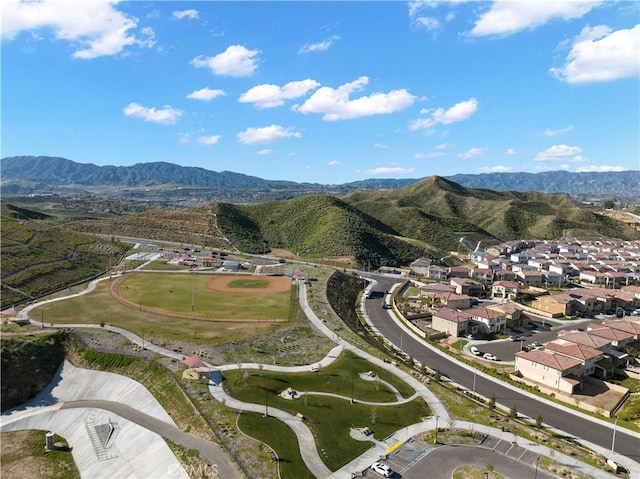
(213,297)
(101,307)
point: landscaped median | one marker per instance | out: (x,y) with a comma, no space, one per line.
(344,389)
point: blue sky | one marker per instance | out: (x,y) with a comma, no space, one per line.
(326,92)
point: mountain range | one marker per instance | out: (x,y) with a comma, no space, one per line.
(431,217)
(38,174)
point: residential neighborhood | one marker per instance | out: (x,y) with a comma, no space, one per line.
(506,292)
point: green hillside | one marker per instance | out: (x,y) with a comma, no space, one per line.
(439,211)
(318,226)
(429,218)
(40,256)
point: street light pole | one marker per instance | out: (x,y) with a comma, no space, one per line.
(435,436)
(193,305)
(401,338)
(352,379)
(536,473)
(474,381)
(266,403)
(613,439)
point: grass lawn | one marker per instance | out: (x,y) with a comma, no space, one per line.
(23,455)
(176,293)
(281,439)
(329,418)
(100,306)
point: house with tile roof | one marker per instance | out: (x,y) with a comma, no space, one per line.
(550,369)
(451,321)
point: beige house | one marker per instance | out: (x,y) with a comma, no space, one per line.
(529,278)
(512,312)
(556,304)
(450,321)
(586,354)
(466,286)
(550,369)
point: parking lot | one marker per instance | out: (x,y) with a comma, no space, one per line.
(418,460)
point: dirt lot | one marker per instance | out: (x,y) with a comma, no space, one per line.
(276,284)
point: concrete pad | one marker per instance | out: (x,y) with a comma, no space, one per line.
(135,451)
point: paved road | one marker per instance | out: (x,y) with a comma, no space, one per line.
(564,419)
(210,451)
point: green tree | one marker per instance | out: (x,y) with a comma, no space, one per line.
(513,412)
(539,420)
(609,204)
(492,401)
(436,375)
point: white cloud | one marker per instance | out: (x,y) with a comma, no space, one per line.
(235,61)
(392,170)
(560,153)
(333,163)
(266,151)
(472,153)
(458,112)
(495,169)
(511,151)
(318,47)
(164,116)
(209,140)
(380,145)
(508,17)
(540,168)
(95,28)
(191,14)
(443,146)
(205,94)
(551,133)
(428,23)
(599,169)
(269,96)
(600,55)
(267,134)
(335,104)
(430,155)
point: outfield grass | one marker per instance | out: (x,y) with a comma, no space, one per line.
(280,438)
(100,306)
(329,418)
(176,293)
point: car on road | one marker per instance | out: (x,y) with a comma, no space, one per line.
(515,337)
(474,350)
(382,469)
(490,357)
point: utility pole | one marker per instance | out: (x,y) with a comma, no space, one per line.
(193,305)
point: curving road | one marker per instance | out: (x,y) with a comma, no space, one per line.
(575,424)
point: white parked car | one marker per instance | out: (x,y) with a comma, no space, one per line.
(382,469)
(474,350)
(490,357)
